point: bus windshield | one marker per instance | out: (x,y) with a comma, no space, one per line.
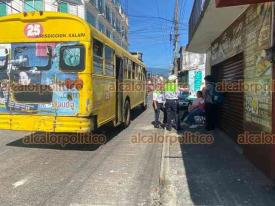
(32,56)
(65,56)
(38,75)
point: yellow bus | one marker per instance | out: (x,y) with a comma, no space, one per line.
(60,74)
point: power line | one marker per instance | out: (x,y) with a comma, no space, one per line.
(155,17)
(163,29)
(176,37)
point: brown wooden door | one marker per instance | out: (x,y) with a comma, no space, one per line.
(231,113)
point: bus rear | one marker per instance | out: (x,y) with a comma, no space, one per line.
(45,74)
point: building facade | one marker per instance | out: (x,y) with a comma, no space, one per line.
(190,60)
(241,59)
(106,15)
(192,70)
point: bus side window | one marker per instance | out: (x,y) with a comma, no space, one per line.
(133,71)
(109,62)
(125,68)
(98,57)
(130,69)
(143,74)
(139,73)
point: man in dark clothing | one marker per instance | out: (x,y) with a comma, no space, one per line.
(210,107)
(171,105)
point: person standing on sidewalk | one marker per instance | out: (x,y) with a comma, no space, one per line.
(171,102)
(158,102)
(210,107)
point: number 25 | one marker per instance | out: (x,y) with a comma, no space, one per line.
(33,30)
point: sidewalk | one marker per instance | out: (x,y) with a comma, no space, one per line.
(216,174)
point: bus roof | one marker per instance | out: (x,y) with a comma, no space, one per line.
(53,27)
(43,27)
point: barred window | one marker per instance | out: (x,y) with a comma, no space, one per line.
(109,61)
(98,57)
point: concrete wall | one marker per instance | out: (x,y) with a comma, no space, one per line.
(251,34)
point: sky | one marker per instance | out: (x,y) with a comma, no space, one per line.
(150,26)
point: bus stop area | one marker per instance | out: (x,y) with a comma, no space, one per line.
(213,174)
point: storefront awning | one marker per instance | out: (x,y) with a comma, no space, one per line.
(213,22)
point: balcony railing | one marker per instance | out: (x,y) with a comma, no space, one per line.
(198,10)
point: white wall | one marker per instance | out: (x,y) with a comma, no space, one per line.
(78,10)
(16,4)
(50,5)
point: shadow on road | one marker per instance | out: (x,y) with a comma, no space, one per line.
(68,141)
(218,175)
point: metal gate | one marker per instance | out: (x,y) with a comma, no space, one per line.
(231,113)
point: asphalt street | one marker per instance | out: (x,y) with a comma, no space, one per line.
(118,172)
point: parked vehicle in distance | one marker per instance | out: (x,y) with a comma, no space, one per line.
(184,100)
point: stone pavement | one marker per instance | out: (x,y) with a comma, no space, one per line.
(215,174)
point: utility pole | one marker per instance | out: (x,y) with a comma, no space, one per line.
(176,38)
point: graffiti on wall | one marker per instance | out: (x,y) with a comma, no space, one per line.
(258,104)
(263,38)
(229,43)
(251,34)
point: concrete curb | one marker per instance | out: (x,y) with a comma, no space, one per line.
(164,167)
(167,194)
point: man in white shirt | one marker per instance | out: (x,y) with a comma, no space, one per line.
(158,103)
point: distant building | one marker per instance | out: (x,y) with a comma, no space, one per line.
(192,70)
(191,61)
(106,15)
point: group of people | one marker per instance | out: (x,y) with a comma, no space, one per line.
(165,99)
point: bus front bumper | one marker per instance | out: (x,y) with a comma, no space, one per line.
(46,123)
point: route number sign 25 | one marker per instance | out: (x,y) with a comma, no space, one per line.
(33,30)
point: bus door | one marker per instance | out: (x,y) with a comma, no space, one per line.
(119,91)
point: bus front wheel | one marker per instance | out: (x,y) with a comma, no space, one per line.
(127,114)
